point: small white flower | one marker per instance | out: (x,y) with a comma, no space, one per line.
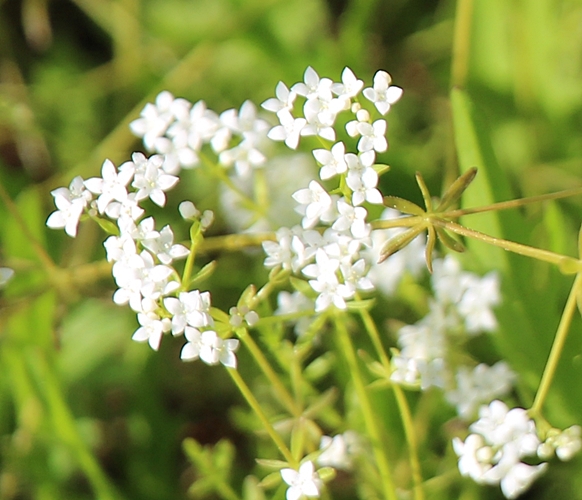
(111,185)
(333,162)
(313,87)
(151,330)
(209,347)
(283,101)
(338,451)
(304,482)
(373,136)
(289,130)
(68,214)
(352,219)
(350,86)
(314,202)
(152,182)
(190,308)
(383,95)
(242,314)
(154,119)
(162,245)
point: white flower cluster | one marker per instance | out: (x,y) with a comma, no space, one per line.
(142,256)
(324,100)
(179,129)
(493,453)
(461,306)
(330,258)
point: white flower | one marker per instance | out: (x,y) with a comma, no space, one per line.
(313,87)
(68,214)
(383,95)
(70,202)
(326,282)
(154,119)
(289,130)
(373,136)
(304,482)
(111,186)
(350,86)
(352,219)
(151,181)
(192,308)
(493,453)
(209,347)
(338,451)
(479,386)
(314,202)
(364,187)
(242,314)
(320,115)
(283,101)
(332,162)
(151,330)
(162,245)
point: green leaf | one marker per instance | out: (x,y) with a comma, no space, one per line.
(402,205)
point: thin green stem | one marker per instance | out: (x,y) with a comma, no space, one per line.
(370,419)
(565,263)
(234,242)
(557,347)
(504,205)
(256,407)
(461,43)
(280,390)
(403,407)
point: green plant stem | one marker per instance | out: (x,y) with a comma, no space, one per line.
(403,407)
(557,347)
(565,263)
(504,205)
(256,407)
(461,43)
(280,390)
(370,419)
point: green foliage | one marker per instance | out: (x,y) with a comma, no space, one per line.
(86,413)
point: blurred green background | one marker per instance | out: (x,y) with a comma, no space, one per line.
(87,413)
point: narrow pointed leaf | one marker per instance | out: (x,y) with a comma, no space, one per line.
(428,251)
(449,241)
(399,241)
(402,205)
(425,192)
(456,189)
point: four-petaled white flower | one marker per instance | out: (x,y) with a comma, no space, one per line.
(209,347)
(304,482)
(383,95)
(333,162)
(314,203)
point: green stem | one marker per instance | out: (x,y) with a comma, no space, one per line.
(461,43)
(403,407)
(280,390)
(254,404)
(566,264)
(504,205)
(234,242)
(557,347)
(369,418)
